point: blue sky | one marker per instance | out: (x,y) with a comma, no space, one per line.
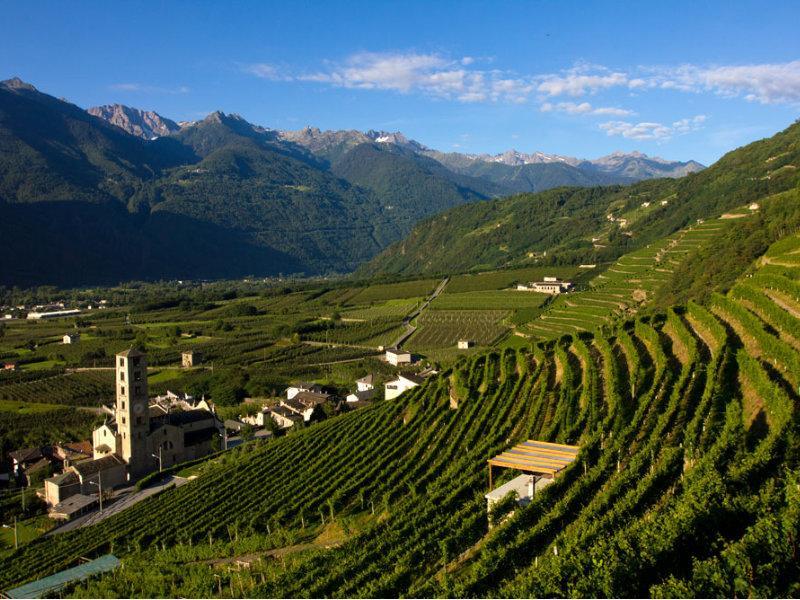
(677,79)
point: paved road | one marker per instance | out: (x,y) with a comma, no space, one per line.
(410,329)
(123,498)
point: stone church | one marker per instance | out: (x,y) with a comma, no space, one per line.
(141,438)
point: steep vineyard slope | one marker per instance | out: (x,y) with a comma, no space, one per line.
(627,285)
(563,223)
(686,483)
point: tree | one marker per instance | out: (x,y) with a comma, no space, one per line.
(226,394)
(247,432)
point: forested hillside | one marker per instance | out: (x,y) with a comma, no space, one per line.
(84,202)
(519,230)
(686,483)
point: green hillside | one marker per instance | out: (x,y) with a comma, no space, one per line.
(410,186)
(221,198)
(572,226)
(686,483)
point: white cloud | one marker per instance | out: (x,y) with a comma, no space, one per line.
(262,70)
(584,108)
(775,83)
(149,89)
(580,81)
(468,79)
(652,131)
(429,74)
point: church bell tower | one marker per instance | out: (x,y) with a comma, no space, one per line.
(132,414)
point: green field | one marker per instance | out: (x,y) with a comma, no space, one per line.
(498,280)
(488,300)
(389,291)
(391,308)
(443,329)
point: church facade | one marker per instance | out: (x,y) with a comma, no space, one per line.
(142,437)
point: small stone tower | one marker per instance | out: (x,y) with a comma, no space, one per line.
(132,412)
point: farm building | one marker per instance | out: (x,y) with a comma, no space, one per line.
(365,389)
(465,344)
(550,285)
(284,417)
(53,314)
(85,478)
(404,381)
(366,383)
(395,356)
(306,409)
(71,338)
(191,358)
(302,386)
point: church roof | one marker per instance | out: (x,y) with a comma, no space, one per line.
(87,468)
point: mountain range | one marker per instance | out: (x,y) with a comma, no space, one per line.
(117,193)
(591,225)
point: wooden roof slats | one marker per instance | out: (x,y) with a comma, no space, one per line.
(541,454)
(525,467)
(572,450)
(534,456)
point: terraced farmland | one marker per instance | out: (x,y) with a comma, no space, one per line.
(617,293)
(687,478)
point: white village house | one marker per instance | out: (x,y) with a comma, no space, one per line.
(71,338)
(395,356)
(404,381)
(365,389)
(302,386)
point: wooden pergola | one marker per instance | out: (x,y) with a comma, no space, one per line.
(542,458)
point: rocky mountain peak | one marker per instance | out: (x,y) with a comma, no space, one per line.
(141,123)
(15,83)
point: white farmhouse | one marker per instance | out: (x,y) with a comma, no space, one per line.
(395,356)
(365,389)
(302,386)
(404,381)
(71,338)
(551,285)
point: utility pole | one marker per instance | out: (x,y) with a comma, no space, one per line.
(158,456)
(99,485)
(16,538)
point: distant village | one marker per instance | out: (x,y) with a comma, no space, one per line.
(53,310)
(142,435)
